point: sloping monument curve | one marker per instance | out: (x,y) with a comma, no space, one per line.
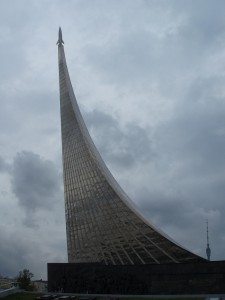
(102,223)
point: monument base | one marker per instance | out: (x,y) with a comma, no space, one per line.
(189,278)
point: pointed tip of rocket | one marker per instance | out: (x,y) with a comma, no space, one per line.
(60,40)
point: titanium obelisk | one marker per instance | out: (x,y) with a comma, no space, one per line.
(102,223)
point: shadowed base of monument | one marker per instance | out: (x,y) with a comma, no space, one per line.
(189,278)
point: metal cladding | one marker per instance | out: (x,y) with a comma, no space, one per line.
(102,223)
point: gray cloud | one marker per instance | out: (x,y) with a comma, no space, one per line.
(4,166)
(24,247)
(37,205)
(14,253)
(36,183)
(189,169)
(155,72)
(122,148)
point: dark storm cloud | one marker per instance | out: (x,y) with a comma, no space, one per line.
(38,205)
(202,19)
(196,134)
(189,167)
(4,166)
(21,248)
(35,182)
(13,253)
(121,147)
(140,55)
(183,215)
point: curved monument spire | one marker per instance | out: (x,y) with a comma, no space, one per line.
(102,223)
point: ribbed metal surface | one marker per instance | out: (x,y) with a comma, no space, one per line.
(102,223)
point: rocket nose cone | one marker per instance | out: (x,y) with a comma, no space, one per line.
(60,33)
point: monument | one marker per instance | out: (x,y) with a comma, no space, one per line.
(106,234)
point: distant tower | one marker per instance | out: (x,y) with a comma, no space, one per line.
(208,250)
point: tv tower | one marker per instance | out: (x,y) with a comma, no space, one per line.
(208,250)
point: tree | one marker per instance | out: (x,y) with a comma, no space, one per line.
(24,280)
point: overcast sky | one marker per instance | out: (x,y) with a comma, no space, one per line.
(149,77)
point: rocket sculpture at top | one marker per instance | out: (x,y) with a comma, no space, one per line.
(60,40)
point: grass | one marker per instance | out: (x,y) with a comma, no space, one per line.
(32,296)
(167,298)
(21,296)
